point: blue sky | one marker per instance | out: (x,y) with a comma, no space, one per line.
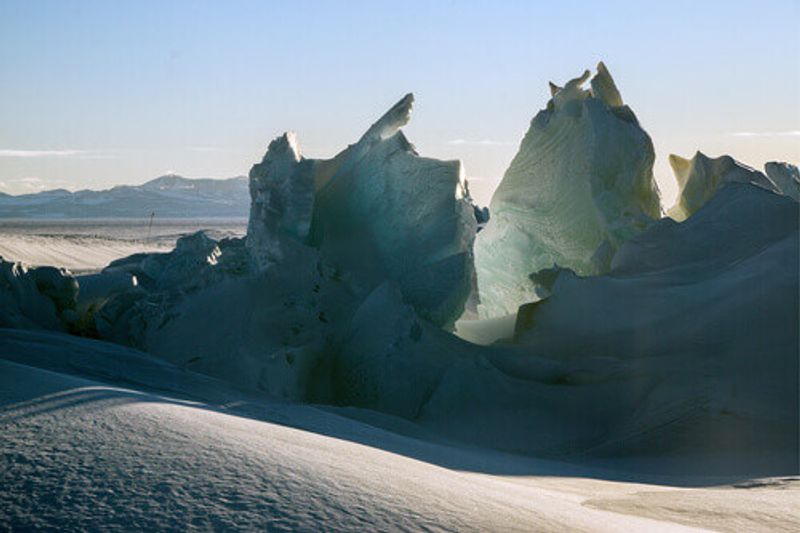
(94,94)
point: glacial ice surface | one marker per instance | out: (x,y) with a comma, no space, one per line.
(786,177)
(388,214)
(282,199)
(42,297)
(377,209)
(696,323)
(579,186)
(700,177)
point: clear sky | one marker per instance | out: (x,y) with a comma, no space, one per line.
(94,94)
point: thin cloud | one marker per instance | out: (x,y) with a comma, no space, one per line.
(33,184)
(77,154)
(25,185)
(791,133)
(40,153)
(95,155)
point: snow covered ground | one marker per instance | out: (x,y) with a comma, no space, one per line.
(100,435)
(85,245)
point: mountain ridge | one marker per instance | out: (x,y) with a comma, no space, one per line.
(170,196)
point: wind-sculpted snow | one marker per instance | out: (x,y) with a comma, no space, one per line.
(97,436)
(580,185)
(700,177)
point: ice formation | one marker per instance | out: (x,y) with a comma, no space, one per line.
(390,359)
(389,214)
(135,296)
(377,209)
(282,199)
(700,177)
(580,185)
(705,311)
(354,267)
(786,177)
(328,243)
(273,331)
(41,297)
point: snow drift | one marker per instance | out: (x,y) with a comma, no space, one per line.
(99,436)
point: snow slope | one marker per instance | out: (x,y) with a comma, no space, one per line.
(98,435)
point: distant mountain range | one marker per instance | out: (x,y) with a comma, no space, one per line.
(169,196)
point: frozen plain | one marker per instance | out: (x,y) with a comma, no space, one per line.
(87,245)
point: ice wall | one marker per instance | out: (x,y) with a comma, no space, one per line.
(377,209)
(36,297)
(786,177)
(282,199)
(276,311)
(700,177)
(580,185)
(696,324)
(388,213)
